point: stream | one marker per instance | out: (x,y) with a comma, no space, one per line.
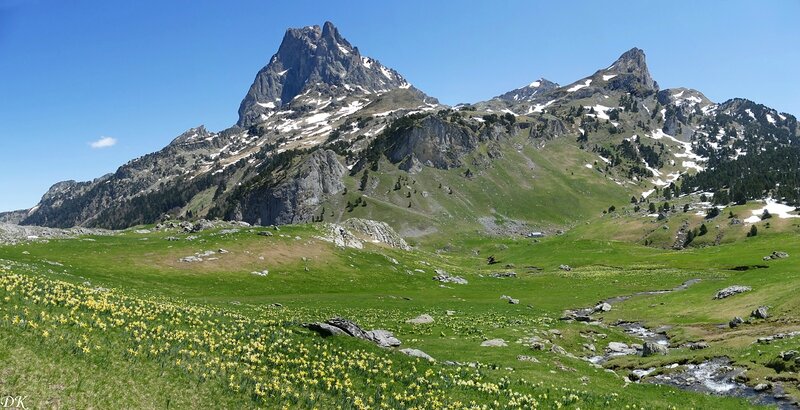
(716,376)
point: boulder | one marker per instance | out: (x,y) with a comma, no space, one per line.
(420,320)
(565,267)
(349,327)
(760,313)
(776,255)
(736,321)
(444,277)
(325,329)
(417,353)
(340,326)
(494,343)
(731,290)
(602,307)
(652,349)
(697,345)
(510,299)
(762,387)
(383,338)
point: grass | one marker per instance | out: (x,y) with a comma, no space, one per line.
(313,280)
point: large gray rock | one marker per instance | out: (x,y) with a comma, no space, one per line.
(443,276)
(417,353)
(383,338)
(339,326)
(420,320)
(731,290)
(652,349)
(494,343)
(761,313)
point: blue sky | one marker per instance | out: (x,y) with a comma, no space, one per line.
(129,76)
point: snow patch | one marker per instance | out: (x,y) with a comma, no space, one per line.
(579,86)
(607,77)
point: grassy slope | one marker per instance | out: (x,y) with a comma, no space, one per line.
(367,286)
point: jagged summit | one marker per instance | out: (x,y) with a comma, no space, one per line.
(529,91)
(314,58)
(630,73)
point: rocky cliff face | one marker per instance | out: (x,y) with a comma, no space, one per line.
(298,196)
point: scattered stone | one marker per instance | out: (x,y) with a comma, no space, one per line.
(770,339)
(494,343)
(788,355)
(731,290)
(697,345)
(762,387)
(450,312)
(443,276)
(760,313)
(736,321)
(417,353)
(420,320)
(776,255)
(510,299)
(503,275)
(383,338)
(602,307)
(220,250)
(565,267)
(559,350)
(171,239)
(264,233)
(525,358)
(264,272)
(652,349)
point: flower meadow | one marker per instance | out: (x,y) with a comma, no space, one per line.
(268,359)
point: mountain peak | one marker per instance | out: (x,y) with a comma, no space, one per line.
(629,73)
(318,58)
(529,91)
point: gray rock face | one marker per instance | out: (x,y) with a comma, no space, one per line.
(297,198)
(652,349)
(379,232)
(433,142)
(632,74)
(731,290)
(417,353)
(314,58)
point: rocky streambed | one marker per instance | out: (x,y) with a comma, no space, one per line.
(717,376)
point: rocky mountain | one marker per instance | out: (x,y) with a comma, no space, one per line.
(326,134)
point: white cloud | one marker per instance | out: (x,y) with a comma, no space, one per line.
(104,142)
